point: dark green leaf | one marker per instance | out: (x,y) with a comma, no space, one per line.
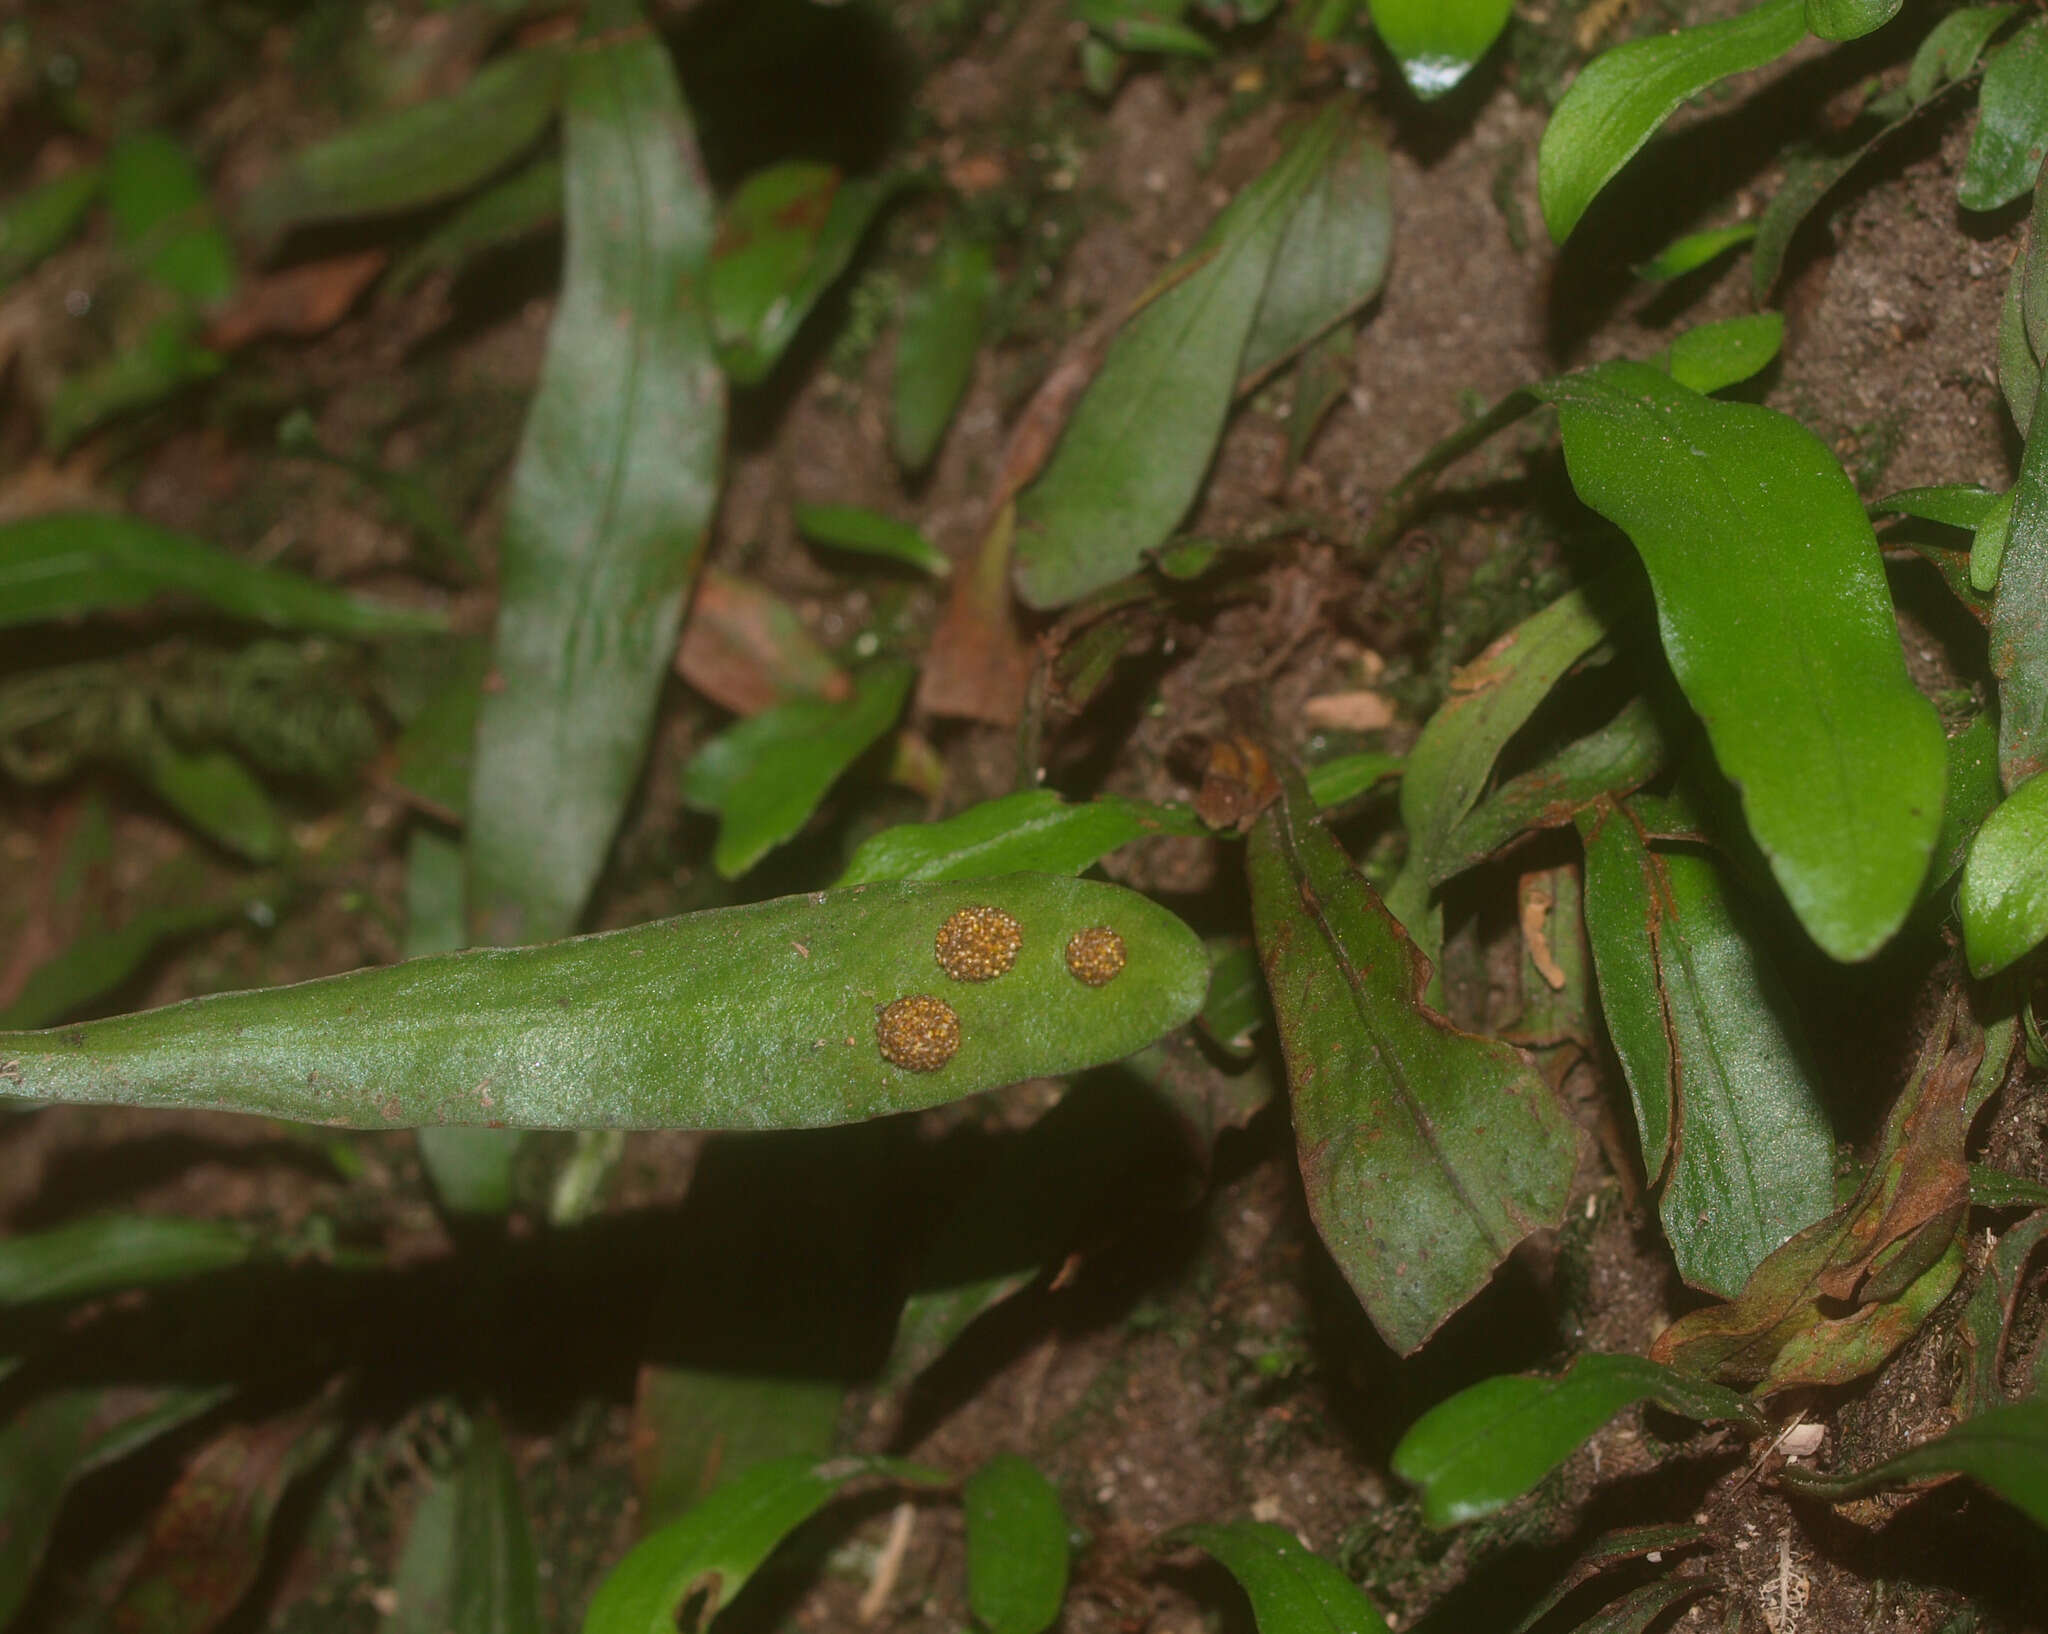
(616,478)
(1292,1589)
(2006,1449)
(162,219)
(942,323)
(1987,1316)
(1486,1446)
(35,223)
(1143,25)
(1972,791)
(1775,616)
(1033,832)
(1994,1188)
(1608,1551)
(1236,1007)
(763,1016)
(1716,355)
(1438,42)
(1849,19)
(216,794)
(2019,616)
(525,203)
(493,1587)
(1699,1019)
(1332,259)
(1427,1153)
(2019,364)
(432,759)
(1016,1547)
(2004,898)
(66,563)
(419,155)
(1134,454)
(1623,95)
(1335,782)
(1695,250)
(1954,504)
(116,1251)
(1642,1606)
(719,1544)
(1952,47)
(766,776)
(784,238)
(2012,122)
(52,1441)
(1987,546)
(850,527)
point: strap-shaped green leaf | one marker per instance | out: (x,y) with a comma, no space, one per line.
(2012,122)
(1772,602)
(1293,1590)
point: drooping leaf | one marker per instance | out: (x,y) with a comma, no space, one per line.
(434,150)
(1016,1547)
(208,1538)
(162,220)
(469,1566)
(52,1441)
(525,203)
(1699,1019)
(1775,616)
(1035,832)
(1427,1153)
(1292,1589)
(719,1544)
(852,527)
(615,480)
(1712,356)
(2004,898)
(116,1251)
(942,323)
(2005,1448)
(766,776)
(1849,19)
(36,223)
(67,563)
(1332,259)
(785,236)
(1987,1318)
(2012,122)
(1488,1445)
(1693,251)
(1438,42)
(763,1016)
(1134,454)
(1623,95)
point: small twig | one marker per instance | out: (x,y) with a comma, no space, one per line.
(888,1565)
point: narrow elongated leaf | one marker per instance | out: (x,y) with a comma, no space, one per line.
(852,527)
(216,794)
(1849,19)
(719,1544)
(2012,122)
(2019,363)
(1952,47)
(1955,504)
(35,223)
(1608,1551)
(526,202)
(770,1015)
(98,961)
(1438,42)
(163,221)
(1032,832)
(1717,355)
(116,1251)
(1333,258)
(2004,899)
(695,1428)
(942,321)
(1016,1547)
(1695,250)
(1134,454)
(66,563)
(786,235)
(1623,95)
(2006,1449)
(492,1586)
(616,477)
(1698,1018)
(1772,602)
(55,1439)
(1642,1606)
(1336,782)
(1972,793)
(1427,1153)
(2019,613)
(1487,1446)
(1987,1317)
(765,777)
(1995,1188)
(1292,1589)
(435,150)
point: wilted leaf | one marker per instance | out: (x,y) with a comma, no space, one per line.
(2012,122)
(67,563)
(1772,603)
(1292,1589)
(616,477)
(1016,1547)
(1031,832)
(746,649)
(2004,899)
(1134,455)
(303,300)
(978,662)
(1427,1153)
(942,320)
(766,776)
(1487,1445)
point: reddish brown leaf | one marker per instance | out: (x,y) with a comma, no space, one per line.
(979,663)
(301,300)
(746,650)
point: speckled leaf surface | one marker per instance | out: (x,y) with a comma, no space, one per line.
(1427,1153)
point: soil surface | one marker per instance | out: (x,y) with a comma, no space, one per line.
(1195,1356)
